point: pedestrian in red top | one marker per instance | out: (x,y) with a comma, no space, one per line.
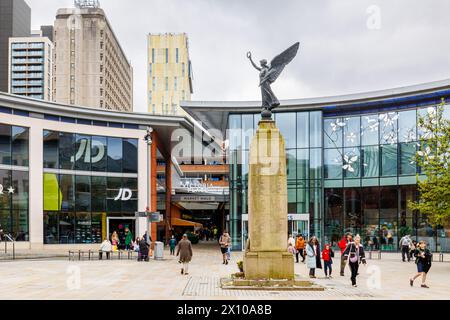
(327,255)
(343,245)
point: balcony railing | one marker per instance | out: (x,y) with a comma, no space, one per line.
(28,83)
(27,75)
(27,90)
(27,61)
(27,68)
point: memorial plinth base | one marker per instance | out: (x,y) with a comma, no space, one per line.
(268,265)
(270,285)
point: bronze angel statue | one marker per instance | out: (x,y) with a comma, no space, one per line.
(269,74)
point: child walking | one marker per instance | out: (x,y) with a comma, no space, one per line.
(327,255)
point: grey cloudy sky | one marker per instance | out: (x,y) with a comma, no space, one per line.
(339,53)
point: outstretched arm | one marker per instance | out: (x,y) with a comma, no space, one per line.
(249,56)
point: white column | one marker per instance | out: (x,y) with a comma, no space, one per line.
(36,189)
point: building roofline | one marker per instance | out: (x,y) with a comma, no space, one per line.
(58,13)
(214,114)
(326,100)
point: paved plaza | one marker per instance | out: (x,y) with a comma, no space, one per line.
(111,280)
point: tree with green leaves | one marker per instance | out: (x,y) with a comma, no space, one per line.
(433,159)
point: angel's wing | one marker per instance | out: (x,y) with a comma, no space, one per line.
(280,62)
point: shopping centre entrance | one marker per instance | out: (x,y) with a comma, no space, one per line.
(119,225)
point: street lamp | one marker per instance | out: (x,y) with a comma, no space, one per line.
(149,141)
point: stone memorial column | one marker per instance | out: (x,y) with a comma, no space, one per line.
(266,255)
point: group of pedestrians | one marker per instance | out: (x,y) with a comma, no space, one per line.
(140,245)
(352,253)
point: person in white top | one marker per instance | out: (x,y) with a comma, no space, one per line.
(106,247)
(291,241)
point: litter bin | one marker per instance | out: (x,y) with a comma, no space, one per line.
(159,250)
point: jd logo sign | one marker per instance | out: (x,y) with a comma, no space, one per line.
(124,195)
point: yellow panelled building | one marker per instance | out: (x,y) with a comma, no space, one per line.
(169,74)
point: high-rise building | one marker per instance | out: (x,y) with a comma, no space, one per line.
(90,66)
(15,21)
(47,31)
(169,75)
(31,67)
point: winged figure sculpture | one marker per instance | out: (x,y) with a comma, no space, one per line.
(268,74)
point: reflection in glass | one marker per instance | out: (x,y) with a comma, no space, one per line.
(66,150)
(21,187)
(369,130)
(333,132)
(82,155)
(388,160)
(407,126)
(114,185)
(303,164)
(20,140)
(51,149)
(247,130)
(286,124)
(315,164)
(315,135)
(98,194)
(83,193)
(67,187)
(351,132)
(130,155)
(5,144)
(303,132)
(407,159)
(351,162)
(370,161)
(332,164)
(388,127)
(291,164)
(234,131)
(114,155)
(98,153)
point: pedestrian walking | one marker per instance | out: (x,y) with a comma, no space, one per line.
(172,245)
(291,240)
(355,255)
(225,244)
(105,247)
(143,249)
(405,244)
(412,249)
(313,261)
(185,252)
(300,248)
(327,256)
(128,239)
(346,239)
(291,249)
(423,261)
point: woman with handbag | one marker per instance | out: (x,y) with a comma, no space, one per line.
(355,255)
(423,261)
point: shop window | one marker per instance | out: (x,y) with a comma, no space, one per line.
(99,153)
(20,140)
(114,155)
(66,150)
(5,144)
(130,155)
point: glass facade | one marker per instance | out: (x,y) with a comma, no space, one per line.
(14,181)
(350,173)
(86,180)
(302,134)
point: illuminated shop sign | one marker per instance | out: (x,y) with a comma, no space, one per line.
(125,194)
